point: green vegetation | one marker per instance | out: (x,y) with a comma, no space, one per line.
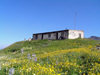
(51,57)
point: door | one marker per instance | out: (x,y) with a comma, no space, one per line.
(79,35)
(62,35)
(57,36)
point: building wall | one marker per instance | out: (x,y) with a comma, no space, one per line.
(45,36)
(68,34)
(39,37)
(34,36)
(59,35)
(65,34)
(74,34)
(52,36)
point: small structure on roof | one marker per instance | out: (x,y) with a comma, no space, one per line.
(62,34)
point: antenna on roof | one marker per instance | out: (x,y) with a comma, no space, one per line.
(75,20)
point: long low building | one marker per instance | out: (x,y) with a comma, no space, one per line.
(62,34)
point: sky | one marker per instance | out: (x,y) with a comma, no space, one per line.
(19,19)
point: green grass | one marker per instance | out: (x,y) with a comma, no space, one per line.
(48,45)
(54,53)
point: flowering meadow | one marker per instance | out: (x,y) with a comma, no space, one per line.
(51,57)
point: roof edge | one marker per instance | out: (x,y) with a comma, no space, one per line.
(56,31)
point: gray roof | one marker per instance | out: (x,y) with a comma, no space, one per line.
(54,31)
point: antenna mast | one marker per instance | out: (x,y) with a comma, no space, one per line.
(75,20)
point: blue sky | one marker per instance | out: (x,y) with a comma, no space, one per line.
(19,19)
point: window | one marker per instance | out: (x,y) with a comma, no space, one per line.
(79,35)
(62,33)
(49,35)
(36,37)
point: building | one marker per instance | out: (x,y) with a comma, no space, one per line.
(62,34)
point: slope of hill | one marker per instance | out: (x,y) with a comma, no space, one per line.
(51,57)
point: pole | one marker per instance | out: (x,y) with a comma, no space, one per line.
(75,20)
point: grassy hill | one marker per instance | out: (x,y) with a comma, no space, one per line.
(51,57)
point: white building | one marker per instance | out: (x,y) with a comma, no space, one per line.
(62,34)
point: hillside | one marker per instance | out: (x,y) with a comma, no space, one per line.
(51,57)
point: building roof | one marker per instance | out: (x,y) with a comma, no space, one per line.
(55,31)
